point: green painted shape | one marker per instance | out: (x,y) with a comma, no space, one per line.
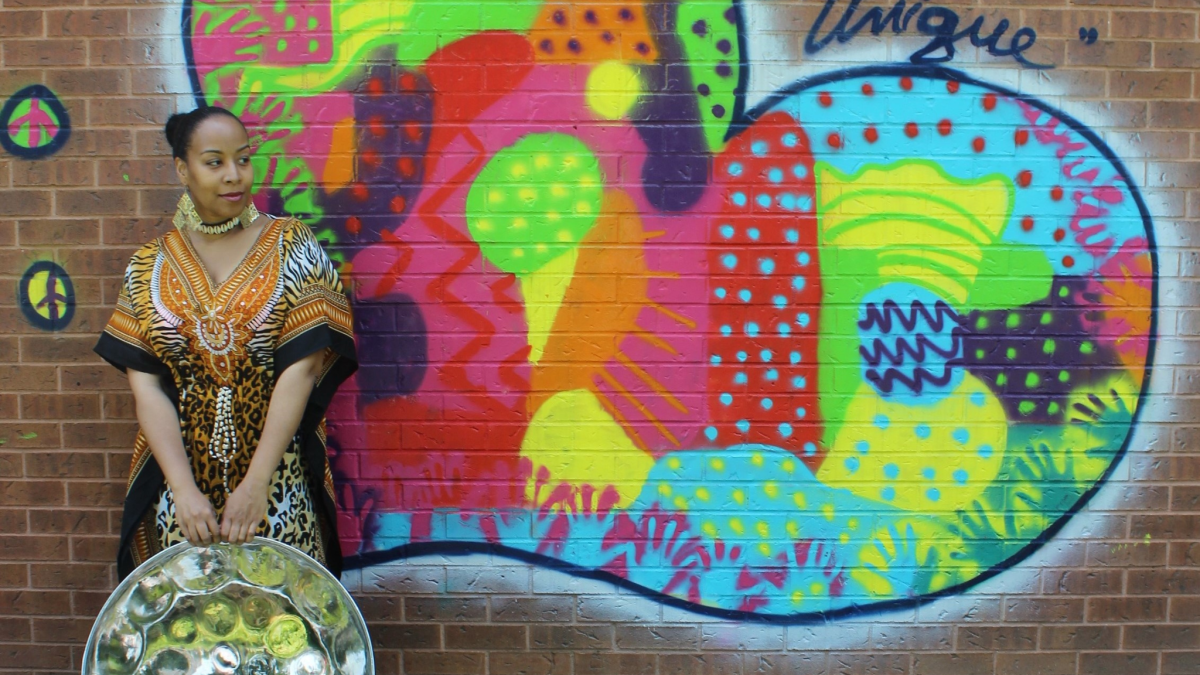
(702,59)
(1011,275)
(534,200)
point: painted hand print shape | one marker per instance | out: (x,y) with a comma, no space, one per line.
(866,345)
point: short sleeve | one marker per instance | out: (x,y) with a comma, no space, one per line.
(317,314)
(125,341)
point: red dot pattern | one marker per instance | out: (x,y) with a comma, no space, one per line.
(1025,178)
(825,99)
(911,130)
(944,127)
(871,134)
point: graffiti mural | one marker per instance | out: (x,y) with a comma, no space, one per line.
(868,343)
(34,123)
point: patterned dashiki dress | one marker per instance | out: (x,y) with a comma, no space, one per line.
(218,351)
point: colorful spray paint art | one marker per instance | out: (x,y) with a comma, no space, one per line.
(869,343)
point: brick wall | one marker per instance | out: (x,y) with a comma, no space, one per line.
(681,430)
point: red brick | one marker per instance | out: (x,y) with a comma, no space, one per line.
(606,663)
(13,521)
(16,630)
(126,51)
(100,142)
(64,465)
(95,202)
(1180,663)
(1123,54)
(72,575)
(94,549)
(14,575)
(1156,24)
(1163,582)
(21,23)
(98,22)
(953,664)
(62,630)
(1176,54)
(119,465)
(32,493)
(9,406)
(531,663)
(538,608)
(58,349)
(1108,663)
(87,494)
(134,231)
(33,547)
(139,111)
(88,603)
(1078,638)
(119,406)
(25,203)
(100,434)
(574,637)
(67,521)
(996,638)
(406,635)
(93,378)
(89,81)
(30,435)
(1160,636)
(485,638)
(657,638)
(60,172)
(1061,663)
(60,406)
(1149,83)
(42,53)
(36,603)
(1103,610)
(42,657)
(443,663)
(869,664)
(699,664)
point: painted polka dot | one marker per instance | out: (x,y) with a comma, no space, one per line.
(710,433)
(784,329)
(922,431)
(961,435)
(785,429)
(871,134)
(985,451)
(789,140)
(882,421)
(1027,223)
(891,471)
(803,319)
(802,257)
(743,426)
(766,404)
(775,175)
(798,283)
(759,148)
(801,413)
(825,99)
(744,295)
(834,140)
(911,130)
(792,236)
(765,356)
(752,329)
(952,86)
(726,399)
(862,447)
(779,301)
(933,494)
(887,493)
(944,127)
(799,382)
(989,101)
(1025,178)
(772,375)
(739,199)
(810,449)
(726,231)
(929,473)
(763,200)
(735,169)
(978,144)
(1020,137)
(753,233)
(852,464)
(742,356)
(715,360)
(729,260)
(794,358)
(868,89)
(720,293)
(960,476)
(800,171)
(906,83)
(766,265)
(726,331)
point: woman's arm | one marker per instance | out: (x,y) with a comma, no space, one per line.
(160,424)
(247,506)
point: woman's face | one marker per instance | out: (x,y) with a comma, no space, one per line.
(217,171)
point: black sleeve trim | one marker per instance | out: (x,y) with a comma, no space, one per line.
(124,356)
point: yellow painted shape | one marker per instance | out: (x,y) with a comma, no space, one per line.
(612,89)
(925,226)
(339,167)
(943,557)
(575,438)
(921,473)
(544,291)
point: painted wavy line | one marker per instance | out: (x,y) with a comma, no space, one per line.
(878,351)
(892,311)
(921,376)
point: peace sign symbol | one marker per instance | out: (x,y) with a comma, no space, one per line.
(47,296)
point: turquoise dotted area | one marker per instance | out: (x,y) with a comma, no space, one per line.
(973,132)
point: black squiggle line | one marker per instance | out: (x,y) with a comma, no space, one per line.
(892,311)
(879,349)
(887,382)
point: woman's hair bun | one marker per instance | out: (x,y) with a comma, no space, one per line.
(181,126)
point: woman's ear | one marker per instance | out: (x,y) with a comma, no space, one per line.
(181,170)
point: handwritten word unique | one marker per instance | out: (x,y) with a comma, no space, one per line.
(939,23)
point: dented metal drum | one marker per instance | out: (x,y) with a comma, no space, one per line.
(263,608)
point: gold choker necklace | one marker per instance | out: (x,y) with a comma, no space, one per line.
(186,218)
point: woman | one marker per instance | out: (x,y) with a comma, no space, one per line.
(235,333)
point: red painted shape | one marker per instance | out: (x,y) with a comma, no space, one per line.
(471,74)
(766,251)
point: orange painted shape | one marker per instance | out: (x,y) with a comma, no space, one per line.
(339,167)
(587,32)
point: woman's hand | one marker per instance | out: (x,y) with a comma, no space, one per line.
(244,511)
(195,516)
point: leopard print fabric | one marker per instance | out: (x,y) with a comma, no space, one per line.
(219,346)
(290,519)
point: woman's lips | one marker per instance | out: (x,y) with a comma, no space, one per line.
(233,196)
